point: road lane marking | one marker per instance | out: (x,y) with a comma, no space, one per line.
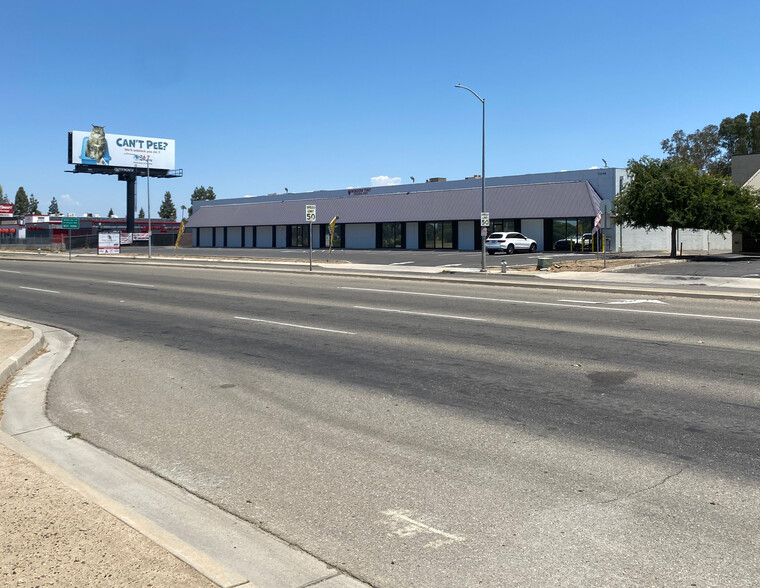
(40,290)
(582,301)
(401,263)
(132,284)
(406,526)
(451,316)
(556,304)
(245,318)
(10,271)
(636,301)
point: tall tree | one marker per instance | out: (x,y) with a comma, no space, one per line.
(141,214)
(21,203)
(734,135)
(3,197)
(754,132)
(700,148)
(110,213)
(53,208)
(34,205)
(167,209)
(201,194)
(673,193)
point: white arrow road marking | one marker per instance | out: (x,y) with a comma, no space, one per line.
(639,301)
(405,526)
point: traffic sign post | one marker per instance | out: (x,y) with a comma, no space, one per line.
(311,216)
(70,223)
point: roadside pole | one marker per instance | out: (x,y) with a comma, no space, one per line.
(311,216)
(70,223)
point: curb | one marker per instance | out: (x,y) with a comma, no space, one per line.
(216,572)
(18,360)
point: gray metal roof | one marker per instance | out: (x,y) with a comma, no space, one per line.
(554,200)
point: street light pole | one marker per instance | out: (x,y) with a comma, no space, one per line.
(150,232)
(482,179)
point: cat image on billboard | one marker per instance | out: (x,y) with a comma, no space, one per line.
(95,147)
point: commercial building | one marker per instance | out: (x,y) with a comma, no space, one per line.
(436,214)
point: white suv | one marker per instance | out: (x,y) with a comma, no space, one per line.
(509,243)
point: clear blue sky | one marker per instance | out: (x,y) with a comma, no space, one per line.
(261,96)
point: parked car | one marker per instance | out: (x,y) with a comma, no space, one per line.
(509,243)
(583,242)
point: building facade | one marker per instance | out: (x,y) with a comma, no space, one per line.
(439,214)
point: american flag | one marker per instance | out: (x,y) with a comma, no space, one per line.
(597,221)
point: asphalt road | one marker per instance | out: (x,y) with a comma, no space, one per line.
(424,433)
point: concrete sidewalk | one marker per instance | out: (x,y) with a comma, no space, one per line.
(51,534)
(78,516)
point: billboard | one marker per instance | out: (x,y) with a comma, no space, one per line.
(6,209)
(97,147)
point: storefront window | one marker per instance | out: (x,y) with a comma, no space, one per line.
(299,236)
(439,235)
(567,233)
(337,237)
(391,236)
(500,225)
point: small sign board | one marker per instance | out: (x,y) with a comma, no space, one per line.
(485,219)
(109,243)
(311,213)
(69,222)
(6,209)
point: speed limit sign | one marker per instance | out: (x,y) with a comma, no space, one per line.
(311,213)
(485,219)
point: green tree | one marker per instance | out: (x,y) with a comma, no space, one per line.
(167,209)
(21,203)
(734,135)
(110,213)
(3,197)
(141,214)
(53,208)
(754,132)
(673,193)
(201,194)
(34,205)
(700,148)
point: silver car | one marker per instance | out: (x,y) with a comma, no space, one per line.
(509,243)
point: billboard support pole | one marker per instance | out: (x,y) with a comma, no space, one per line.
(130,179)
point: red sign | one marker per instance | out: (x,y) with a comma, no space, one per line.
(6,209)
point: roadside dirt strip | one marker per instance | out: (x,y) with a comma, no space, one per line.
(51,534)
